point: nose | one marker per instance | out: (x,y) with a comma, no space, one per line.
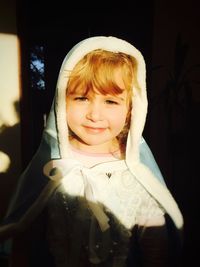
(94,112)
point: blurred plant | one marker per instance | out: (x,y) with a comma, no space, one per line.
(178,91)
(37,67)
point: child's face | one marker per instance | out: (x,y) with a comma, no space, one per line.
(96,119)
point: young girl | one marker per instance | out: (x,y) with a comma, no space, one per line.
(93,176)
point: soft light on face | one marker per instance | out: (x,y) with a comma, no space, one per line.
(98,101)
(96,120)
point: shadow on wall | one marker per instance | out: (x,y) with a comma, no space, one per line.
(10,161)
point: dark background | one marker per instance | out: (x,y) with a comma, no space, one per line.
(172,128)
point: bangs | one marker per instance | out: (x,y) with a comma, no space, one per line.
(92,85)
(90,91)
(96,73)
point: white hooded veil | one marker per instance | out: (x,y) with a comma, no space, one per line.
(37,183)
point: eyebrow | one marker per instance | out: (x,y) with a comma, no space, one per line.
(108,95)
(119,97)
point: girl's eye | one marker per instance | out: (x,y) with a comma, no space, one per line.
(81,98)
(111,102)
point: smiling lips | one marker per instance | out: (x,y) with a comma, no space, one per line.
(94,130)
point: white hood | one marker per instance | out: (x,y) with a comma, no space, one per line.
(145,175)
(139,101)
(35,188)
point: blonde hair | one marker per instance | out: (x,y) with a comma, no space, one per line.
(95,72)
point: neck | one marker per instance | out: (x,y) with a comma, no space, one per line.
(104,148)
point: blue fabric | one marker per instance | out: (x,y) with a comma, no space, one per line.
(148,159)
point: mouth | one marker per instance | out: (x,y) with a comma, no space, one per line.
(94,130)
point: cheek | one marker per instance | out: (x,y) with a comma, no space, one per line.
(122,121)
(73,116)
(119,120)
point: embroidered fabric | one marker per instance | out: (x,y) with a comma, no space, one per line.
(81,224)
(103,211)
(122,194)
